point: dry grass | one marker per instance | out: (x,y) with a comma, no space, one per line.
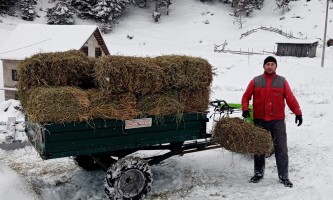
(59,105)
(69,86)
(120,107)
(238,136)
(119,74)
(70,68)
(185,71)
(195,100)
(161,104)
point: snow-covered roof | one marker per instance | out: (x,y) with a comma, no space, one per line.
(297,41)
(29,39)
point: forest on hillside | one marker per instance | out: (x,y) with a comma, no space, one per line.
(107,12)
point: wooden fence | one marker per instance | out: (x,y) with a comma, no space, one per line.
(221,48)
(271,29)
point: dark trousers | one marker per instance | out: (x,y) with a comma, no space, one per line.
(279,137)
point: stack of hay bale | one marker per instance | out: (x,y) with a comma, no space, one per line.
(68,86)
(238,136)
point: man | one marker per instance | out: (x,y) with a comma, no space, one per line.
(270,91)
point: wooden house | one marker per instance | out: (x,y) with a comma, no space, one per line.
(297,48)
(29,39)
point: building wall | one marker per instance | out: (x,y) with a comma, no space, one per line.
(8,82)
(92,43)
(297,50)
(8,67)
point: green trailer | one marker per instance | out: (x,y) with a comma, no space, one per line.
(107,144)
(104,135)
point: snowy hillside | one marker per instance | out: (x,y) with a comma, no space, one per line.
(213,174)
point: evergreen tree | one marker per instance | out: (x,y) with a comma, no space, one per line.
(284,5)
(225,1)
(142,3)
(5,6)
(27,9)
(244,7)
(108,10)
(105,28)
(257,4)
(105,11)
(83,7)
(60,14)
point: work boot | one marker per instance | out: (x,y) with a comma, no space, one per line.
(286,182)
(256,178)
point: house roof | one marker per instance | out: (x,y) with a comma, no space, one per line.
(29,39)
(297,41)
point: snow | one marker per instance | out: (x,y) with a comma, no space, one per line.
(13,186)
(44,38)
(218,173)
(298,41)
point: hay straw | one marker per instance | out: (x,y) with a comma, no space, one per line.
(166,103)
(70,68)
(195,100)
(120,107)
(241,137)
(119,74)
(117,87)
(185,71)
(58,105)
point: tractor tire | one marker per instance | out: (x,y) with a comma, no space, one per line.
(129,178)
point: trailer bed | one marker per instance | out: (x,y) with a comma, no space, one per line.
(107,136)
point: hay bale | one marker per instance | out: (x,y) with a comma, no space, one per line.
(128,86)
(106,106)
(238,136)
(70,68)
(185,71)
(121,74)
(58,105)
(195,100)
(161,104)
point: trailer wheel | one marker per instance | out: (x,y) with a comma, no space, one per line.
(87,163)
(175,146)
(128,178)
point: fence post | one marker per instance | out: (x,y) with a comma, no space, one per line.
(248,56)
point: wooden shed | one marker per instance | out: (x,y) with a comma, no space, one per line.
(297,48)
(29,39)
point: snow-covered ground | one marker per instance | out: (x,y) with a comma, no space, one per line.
(213,174)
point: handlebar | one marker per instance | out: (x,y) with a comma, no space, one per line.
(222,106)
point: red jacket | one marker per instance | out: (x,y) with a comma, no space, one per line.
(269,94)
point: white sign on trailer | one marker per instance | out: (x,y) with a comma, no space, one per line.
(138,123)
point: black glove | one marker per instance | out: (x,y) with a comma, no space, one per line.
(246,114)
(299,120)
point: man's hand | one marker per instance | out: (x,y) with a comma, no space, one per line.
(299,120)
(246,114)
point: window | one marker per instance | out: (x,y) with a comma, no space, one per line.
(14,75)
(85,50)
(98,52)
